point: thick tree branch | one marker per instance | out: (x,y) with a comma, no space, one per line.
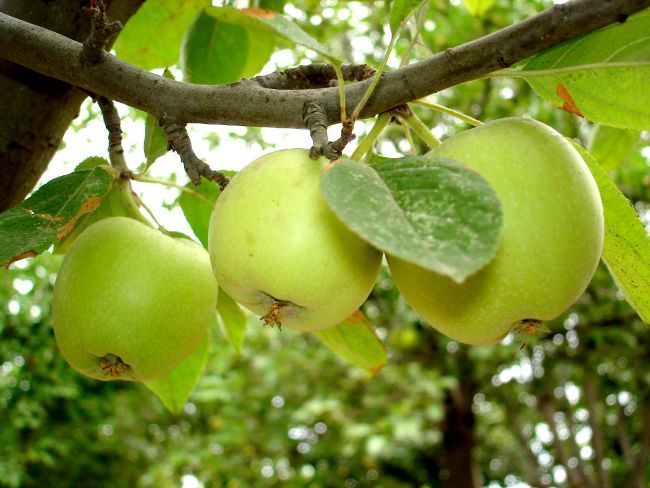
(248,103)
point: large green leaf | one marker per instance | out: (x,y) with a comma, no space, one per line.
(51,213)
(216,52)
(176,387)
(611,146)
(435,213)
(356,341)
(232,318)
(602,76)
(626,250)
(152,37)
(269,21)
(197,205)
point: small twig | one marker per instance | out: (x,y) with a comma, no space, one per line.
(179,141)
(316,121)
(449,111)
(101,30)
(171,184)
(112,122)
(313,76)
(369,140)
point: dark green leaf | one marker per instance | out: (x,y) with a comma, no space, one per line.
(611,146)
(270,22)
(355,341)
(435,213)
(152,37)
(155,139)
(216,52)
(626,250)
(232,318)
(197,206)
(51,213)
(602,76)
(176,387)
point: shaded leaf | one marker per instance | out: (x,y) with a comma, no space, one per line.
(197,207)
(216,52)
(155,139)
(602,76)
(435,213)
(51,213)
(152,37)
(176,387)
(355,341)
(271,22)
(626,250)
(232,319)
(611,146)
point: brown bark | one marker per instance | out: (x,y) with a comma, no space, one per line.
(37,110)
(458,439)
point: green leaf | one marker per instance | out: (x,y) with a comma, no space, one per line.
(92,162)
(197,207)
(232,318)
(478,7)
(152,37)
(269,21)
(216,52)
(435,213)
(51,213)
(611,146)
(626,250)
(155,139)
(355,341)
(176,387)
(602,76)
(400,12)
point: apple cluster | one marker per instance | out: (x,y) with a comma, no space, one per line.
(132,303)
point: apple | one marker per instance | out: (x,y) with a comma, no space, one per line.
(130,302)
(278,250)
(550,244)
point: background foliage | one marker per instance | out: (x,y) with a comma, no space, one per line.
(285,411)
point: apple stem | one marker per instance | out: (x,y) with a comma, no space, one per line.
(112,365)
(448,111)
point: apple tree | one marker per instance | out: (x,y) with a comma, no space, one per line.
(463,230)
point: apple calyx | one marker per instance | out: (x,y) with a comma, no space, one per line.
(272,317)
(529,327)
(112,365)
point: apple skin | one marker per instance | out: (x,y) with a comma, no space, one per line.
(273,238)
(126,290)
(550,244)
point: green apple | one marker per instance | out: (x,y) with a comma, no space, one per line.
(278,249)
(131,302)
(550,243)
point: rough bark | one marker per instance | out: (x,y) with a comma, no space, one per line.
(37,110)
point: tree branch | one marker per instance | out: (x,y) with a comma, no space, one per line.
(250,104)
(114,127)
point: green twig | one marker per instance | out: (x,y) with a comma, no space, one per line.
(171,184)
(341,81)
(367,142)
(423,132)
(409,137)
(375,79)
(448,111)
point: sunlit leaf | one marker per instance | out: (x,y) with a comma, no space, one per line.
(626,250)
(356,341)
(175,388)
(602,76)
